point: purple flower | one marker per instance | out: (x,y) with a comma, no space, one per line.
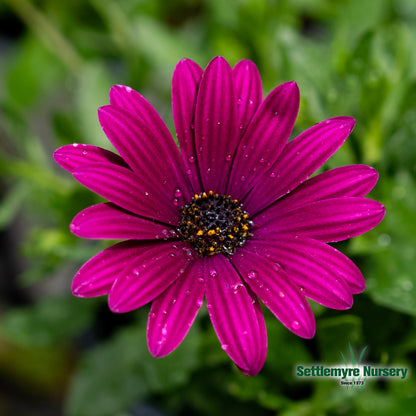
(232,217)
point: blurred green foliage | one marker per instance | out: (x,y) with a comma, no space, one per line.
(58,61)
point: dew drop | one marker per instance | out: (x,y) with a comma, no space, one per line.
(251,102)
(275,113)
(152,315)
(209,306)
(199,303)
(172,254)
(192,126)
(295,325)
(261,160)
(241,126)
(252,274)
(228,158)
(191,159)
(225,347)
(146,193)
(188,292)
(75,144)
(213,273)
(243,178)
(201,279)
(281,294)
(136,272)
(272,175)
(302,289)
(203,137)
(178,192)
(218,123)
(72,227)
(84,152)
(164,330)
(186,131)
(175,201)
(239,100)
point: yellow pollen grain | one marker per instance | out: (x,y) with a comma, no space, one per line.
(230,236)
(245,228)
(196,196)
(211,249)
(211,193)
(211,232)
(204,194)
(200,232)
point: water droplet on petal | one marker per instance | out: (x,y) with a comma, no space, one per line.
(84,152)
(302,288)
(191,159)
(261,160)
(178,192)
(218,123)
(175,201)
(209,306)
(228,158)
(201,279)
(136,272)
(281,294)
(172,254)
(146,193)
(203,137)
(225,347)
(75,144)
(188,292)
(252,274)
(192,126)
(295,325)
(152,315)
(213,273)
(272,175)
(188,172)
(241,126)
(199,303)
(243,178)
(185,131)
(164,330)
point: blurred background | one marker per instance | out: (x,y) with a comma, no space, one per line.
(65,356)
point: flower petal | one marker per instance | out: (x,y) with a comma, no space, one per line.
(122,187)
(148,148)
(319,273)
(75,155)
(173,312)
(265,138)
(97,275)
(185,83)
(329,220)
(148,275)
(216,125)
(298,160)
(352,180)
(248,91)
(271,284)
(292,252)
(236,319)
(109,221)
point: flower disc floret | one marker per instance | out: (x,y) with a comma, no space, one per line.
(214,223)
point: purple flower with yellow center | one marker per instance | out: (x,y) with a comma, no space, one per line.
(231,218)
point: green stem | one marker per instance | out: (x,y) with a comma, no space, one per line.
(48,33)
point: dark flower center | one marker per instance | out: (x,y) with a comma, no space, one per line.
(214,223)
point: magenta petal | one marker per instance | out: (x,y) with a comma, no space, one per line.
(321,274)
(109,221)
(173,312)
(149,150)
(76,155)
(311,257)
(97,275)
(122,187)
(248,91)
(352,180)
(216,129)
(148,275)
(236,319)
(265,138)
(271,284)
(185,82)
(329,220)
(298,160)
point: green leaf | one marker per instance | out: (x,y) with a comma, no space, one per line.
(121,372)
